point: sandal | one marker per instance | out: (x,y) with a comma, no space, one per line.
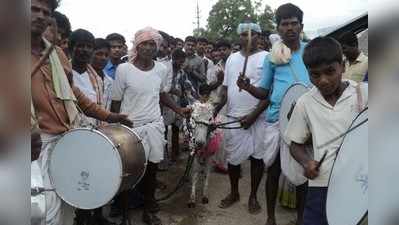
(254,207)
(229,201)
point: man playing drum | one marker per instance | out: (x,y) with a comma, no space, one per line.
(54,98)
(139,87)
(323,113)
(282,68)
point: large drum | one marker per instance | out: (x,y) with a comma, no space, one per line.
(88,167)
(37,202)
(347,198)
(288,103)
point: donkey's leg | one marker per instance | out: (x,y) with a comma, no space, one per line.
(194,181)
(207,171)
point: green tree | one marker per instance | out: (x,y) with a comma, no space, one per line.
(266,19)
(226,15)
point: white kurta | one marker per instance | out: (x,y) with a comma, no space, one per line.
(139,93)
(240,144)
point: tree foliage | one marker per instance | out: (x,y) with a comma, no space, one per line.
(226,15)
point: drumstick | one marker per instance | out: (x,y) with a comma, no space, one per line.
(321,160)
(42,59)
(247,52)
(48,51)
(343,134)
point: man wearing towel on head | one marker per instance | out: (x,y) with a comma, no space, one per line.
(247,142)
(139,87)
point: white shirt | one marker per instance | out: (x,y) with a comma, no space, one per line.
(139,92)
(82,81)
(358,69)
(169,76)
(242,103)
(107,96)
(314,116)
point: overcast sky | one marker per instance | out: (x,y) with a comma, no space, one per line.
(177,17)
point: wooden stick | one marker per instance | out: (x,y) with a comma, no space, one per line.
(343,134)
(48,51)
(321,160)
(247,52)
(42,59)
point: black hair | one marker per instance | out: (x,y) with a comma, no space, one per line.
(349,38)
(63,23)
(80,35)
(236,43)
(266,34)
(100,43)
(322,50)
(190,39)
(179,40)
(287,11)
(223,43)
(172,41)
(165,36)
(115,37)
(202,39)
(204,89)
(178,54)
(53,4)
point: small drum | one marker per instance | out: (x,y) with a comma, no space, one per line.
(38,202)
(88,167)
(347,198)
(288,103)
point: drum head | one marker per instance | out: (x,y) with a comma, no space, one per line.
(289,100)
(85,169)
(38,202)
(347,199)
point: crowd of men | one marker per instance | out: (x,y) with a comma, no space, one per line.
(150,87)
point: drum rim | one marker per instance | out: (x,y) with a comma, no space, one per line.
(114,148)
(140,139)
(279,113)
(363,218)
(332,169)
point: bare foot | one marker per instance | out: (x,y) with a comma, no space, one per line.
(253,206)
(271,221)
(229,201)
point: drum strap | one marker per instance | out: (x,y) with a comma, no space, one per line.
(293,73)
(359,98)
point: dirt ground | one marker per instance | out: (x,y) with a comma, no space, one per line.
(174,211)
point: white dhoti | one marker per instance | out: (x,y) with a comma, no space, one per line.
(291,169)
(58,212)
(271,139)
(153,136)
(240,144)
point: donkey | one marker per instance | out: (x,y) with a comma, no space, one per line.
(205,145)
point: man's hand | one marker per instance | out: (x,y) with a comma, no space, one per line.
(243,82)
(184,112)
(220,76)
(187,68)
(247,121)
(311,170)
(119,118)
(36,144)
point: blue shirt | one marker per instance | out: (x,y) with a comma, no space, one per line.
(278,78)
(110,69)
